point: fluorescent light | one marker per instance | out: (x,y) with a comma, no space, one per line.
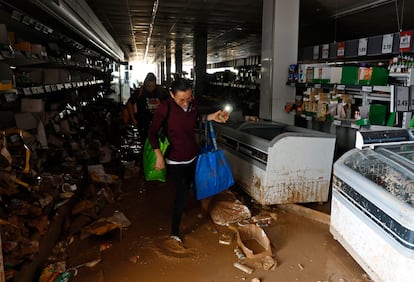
(360,8)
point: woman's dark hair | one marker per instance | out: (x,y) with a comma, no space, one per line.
(150,78)
(180,84)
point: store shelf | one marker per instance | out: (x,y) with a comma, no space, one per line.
(27,91)
(235,85)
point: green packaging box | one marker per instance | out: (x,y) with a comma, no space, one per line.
(349,75)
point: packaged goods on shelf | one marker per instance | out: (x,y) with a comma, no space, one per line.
(372,76)
(349,75)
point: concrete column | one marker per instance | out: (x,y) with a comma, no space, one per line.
(179,60)
(280,35)
(200,62)
(162,71)
(168,64)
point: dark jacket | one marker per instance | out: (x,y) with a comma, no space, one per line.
(180,130)
(146,104)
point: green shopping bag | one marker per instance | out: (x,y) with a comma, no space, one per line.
(150,172)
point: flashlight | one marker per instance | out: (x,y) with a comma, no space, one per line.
(228,108)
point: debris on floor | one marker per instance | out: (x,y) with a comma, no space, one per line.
(226,209)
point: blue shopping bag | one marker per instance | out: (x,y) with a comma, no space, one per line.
(213,172)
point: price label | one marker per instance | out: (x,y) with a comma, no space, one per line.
(367,89)
(68,85)
(325,51)
(402,99)
(27,91)
(341,49)
(48,88)
(362,47)
(340,87)
(405,41)
(59,86)
(387,41)
(34,90)
(316,52)
(53,87)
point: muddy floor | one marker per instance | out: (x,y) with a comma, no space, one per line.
(302,248)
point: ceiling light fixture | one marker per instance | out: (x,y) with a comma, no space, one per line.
(131,26)
(151,28)
(78,16)
(360,8)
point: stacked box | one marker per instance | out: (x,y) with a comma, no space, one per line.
(349,75)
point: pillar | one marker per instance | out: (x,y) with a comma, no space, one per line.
(280,35)
(179,60)
(162,71)
(200,62)
(168,64)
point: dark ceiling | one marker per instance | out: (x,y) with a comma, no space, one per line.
(147,30)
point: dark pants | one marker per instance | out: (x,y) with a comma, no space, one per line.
(183,179)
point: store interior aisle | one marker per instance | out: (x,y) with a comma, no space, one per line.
(303,248)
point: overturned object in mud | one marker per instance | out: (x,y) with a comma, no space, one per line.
(253,241)
(226,209)
(105,225)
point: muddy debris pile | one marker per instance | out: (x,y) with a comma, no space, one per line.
(58,170)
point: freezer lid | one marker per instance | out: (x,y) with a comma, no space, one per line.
(378,174)
(372,137)
(401,153)
(265,134)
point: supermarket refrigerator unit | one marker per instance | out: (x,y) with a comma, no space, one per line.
(276,163)
(372,212)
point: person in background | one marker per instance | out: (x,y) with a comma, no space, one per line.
(143,102)
(181,157)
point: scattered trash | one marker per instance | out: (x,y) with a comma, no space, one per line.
(255,280)
(105,246)
(52,271)
(253,241)
(119,218)
(226,209)
(268,263)
(64,277)
(89,264)
(105,225)
(239,254)
(226,238)
(134,259)
(243,267)
(301,266)
(212,230)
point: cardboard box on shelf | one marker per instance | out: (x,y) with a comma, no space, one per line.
(372,76)
(6,77)
(349,75)
(32,105)
(23,46)
(336,75)
(54,76)
(4,39)
(12,37)
(321,74)
(39,49)
(36,76)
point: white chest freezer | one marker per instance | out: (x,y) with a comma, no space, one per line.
(372,212)
(277,163)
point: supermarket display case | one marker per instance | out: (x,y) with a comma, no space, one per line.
(372,212)
(276,163)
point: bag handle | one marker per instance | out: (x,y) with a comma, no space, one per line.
(212,134)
